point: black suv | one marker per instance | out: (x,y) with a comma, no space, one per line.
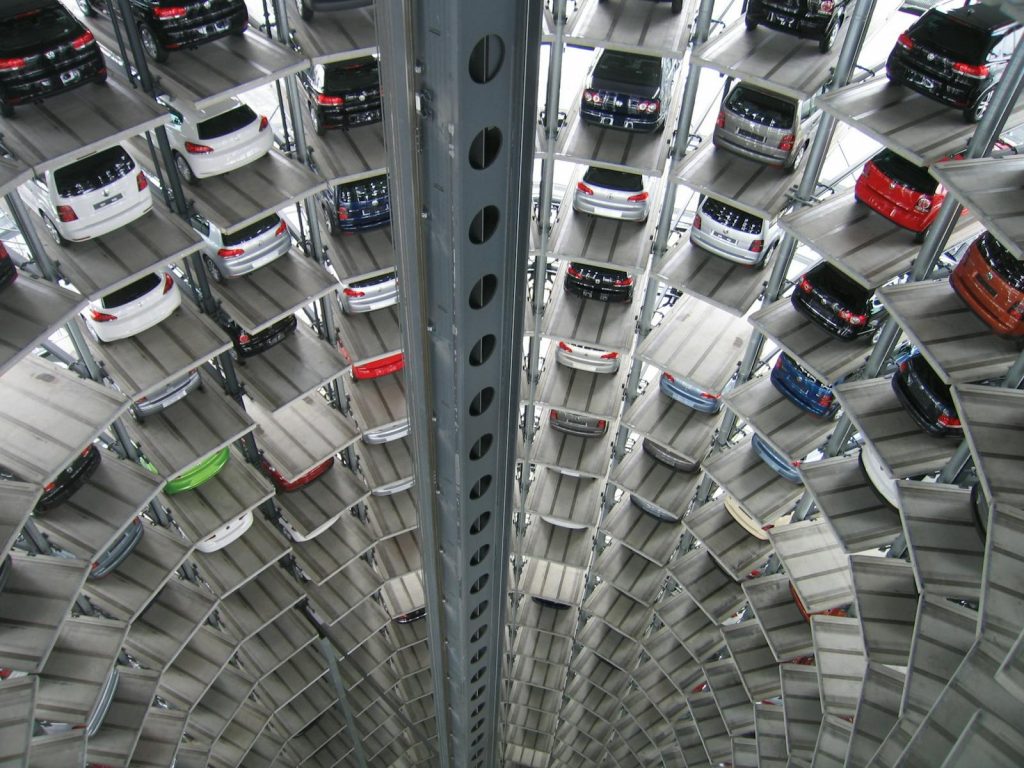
(819,20)
(44,50)
(837,303)
(343,94)
(357,205)
(955,56)
(250,344)
(593,282)
(166,25)
(629,91)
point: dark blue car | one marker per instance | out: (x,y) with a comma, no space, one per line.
(801,388)
(357,205)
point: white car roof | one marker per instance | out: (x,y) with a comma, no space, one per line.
(193,115)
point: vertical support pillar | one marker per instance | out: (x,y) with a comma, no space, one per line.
(460,90)
(341,690)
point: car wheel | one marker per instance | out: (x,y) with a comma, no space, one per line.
(211,266)
(315,120)
(150,44)
(7,110)
(795,161)
(749,23)
(86,8)
(975,112)
(184,169)
(920,236)
(241,30)
(767,256)
(831,35)
(677,6)
(305,11)
(51,228)
(332,221)
(101,79)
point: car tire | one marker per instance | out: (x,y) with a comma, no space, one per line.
(213,270)
(677,6)
(975,112)
(305,11)
(831,35)
(241,30)
(797,159)
(184,169)
(766,256)
(749,23)
(101,79)
(7,110)
(51,228)
(86,8)
(332,223)
(315,121)
(150,44)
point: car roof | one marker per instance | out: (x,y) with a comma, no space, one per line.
(980,16)
(196,115)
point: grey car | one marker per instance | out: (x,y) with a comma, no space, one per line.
(668,457)
(117,552)
(733,234)
(167,395)
(232,254)
(612,195)
(579,424)
(765,126)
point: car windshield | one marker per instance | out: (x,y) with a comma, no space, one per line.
(1002,261)
(351,75)
(251,231)
(902,170)
(33,28)
(227,122)
(944,33)
(629,68)
(605,177)
(761,108)
(131,292)
(93,172)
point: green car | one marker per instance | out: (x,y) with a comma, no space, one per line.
(198,473)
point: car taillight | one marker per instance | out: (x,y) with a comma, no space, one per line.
(141,181)
(601,423)
(342,213)
(584,188)
(786,142)
(979,71)
(757,246)
(610,356)
(805,285)
(82,40)
(281,229)
(827,6)
(639,198)
(101,317)
(230,253)
(904,366)
(49,487)
(243,338)
(668,377)
(85,452)
(168,282)
(826,400)
(948,421)
(624,282)
(553,414)
(905,41)
(573,272)
(10,65)
(592,97)
(197,149)
(66,213)
(564,347)
(173,12)
(329,101)
(710,396)
(353,293)
(264,123)
(650,107)
(1017,310)
(720,122)
(851,319)
(696,221)
(923,204)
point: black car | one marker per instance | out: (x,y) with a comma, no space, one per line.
(343,94)
(44,50)
(251,344)
(819,20)
(67,482)
(8,272)
(925,396)
(629,91)
(955,56)
(5,575)
(357,205)
(167,25)
(602,283)
(837,303)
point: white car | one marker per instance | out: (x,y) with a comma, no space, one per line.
(878,473)
(584,358)
(233,254)
(220,138)
(90,197)
(134,308)
(733,234)
(369,292)
(227,533)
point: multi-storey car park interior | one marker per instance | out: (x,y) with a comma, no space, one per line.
(694,439)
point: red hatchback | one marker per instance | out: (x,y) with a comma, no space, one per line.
(991,282)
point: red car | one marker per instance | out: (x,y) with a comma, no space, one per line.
(382,366)
(284,486)
(991,282)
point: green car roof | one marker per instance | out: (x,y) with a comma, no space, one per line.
(199,473)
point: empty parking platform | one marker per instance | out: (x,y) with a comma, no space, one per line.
(786,630)
(886,600)
(714,734)
(685,430)
(920,129)
(259,602)
(770,735)
(115,741)
(49,415)
(544,541)
(391,515)
(335,35)
(861,243)
(608,325)
(877,710)
(378,406)
(758,490)
(356,254)
(904,447)
(817,565)
(645,534)
(946,546)
(628,572)
(347,155)
(655,484)
(754,659)
(833,740)
(991,188)
(551,581)
(369,336)
(290,370)
(717,594)
(801,702)
(647,28)
(599,394)
(1001,591)
(585,455)
(992,424)
(33,309)
(564,497)
(166,625)
(17,501)
(230,568)
(388,467)
(732,700)
(735,550)
(311,510)
(826,357)
(66,748)
(197,666)
(959,345)
(161,735)
(345,590)
(345,541)
(618,609)
(697,342)
(608,644)
(720,282)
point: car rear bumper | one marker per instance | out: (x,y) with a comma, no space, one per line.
(382,366)
(625,122)
(802,397)
(94,225)
(387,433)
(588,290)
(354,305)
(750,149)
(915,221)
(119,551)
(137,322)
(609,209)
(71,479)
(250,262)
(826,321)
(226,534)
(207,164)
(191,32)
(689,396)
(789,21)
(162,400)
(778,463)
(736,252)
(586,362)
(934,87)
(913,408)
(992,314)
(42,84)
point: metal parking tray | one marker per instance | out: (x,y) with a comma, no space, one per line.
(992,425)
(645,534)
(387,464)
(117,737)
(886,605)
(801,703)
(608,325)
(369,335)
(668,490)
(167,624)
(356,254)
(259,602)
(721,283)
(992,189)
(345,155)
(323,501)
(786,630)
(714,734)
(552,581)
(628,572)
(717,594)
(379,402)
(345,541)
(570,546)
(877,710)
(684,430)
(17,500)
(230,568)
(646,28)
(585,455)
(599,394)
(755,662)
(736,551)
(335,35)
(788,429)
(817,565)
(569,498)
(33,309)
(759,491)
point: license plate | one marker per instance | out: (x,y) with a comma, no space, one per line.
(782,21)
(175,398)
(109,201)
(749,135)
(727,239)
(924,82)
(70,76)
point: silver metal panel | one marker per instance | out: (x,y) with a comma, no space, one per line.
(585,455)
(302,435)
(986,740)
(569,546)
(846,498)
(276,643)
(115,741)
(951,337)
(619,610)
(643,533)
(816,563)
(833,741)
(598,394)
(946,547)
(348,154)
(770,734)
(291,678)
(552,649)
(788,429)
(1002,597)
(59,750)
(840,662)
(387,463)
(149,360)
(863,244)
(229,568)
(714,734)
(992,425)
(700,576)
(877,711)
(33,309)
(722,283)
(905,448)
(608,325)
(990,188)
(552,581)
(379,402)
(161,735)
(159,633)
(612,646)
(637,576)
(697,342)
(322,557)
(48,415)
(391,515)
(786,630)
(825,356)
(684,430)
(647,28)
(334,35)
(759,490)
(17,501)
(538,674)
(1010,674)
(369,335)
(259,602)
(13,172)
(197,666)
(570,498)
(886,604)
(654,482)
(734,549)
(259,299)
(801,703)
(361,253)
(754,659)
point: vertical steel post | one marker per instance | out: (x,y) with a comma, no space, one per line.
(460,90)
(341,690)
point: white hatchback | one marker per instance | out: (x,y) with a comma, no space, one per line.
(134,308)
(231,531)
(90,197)
(220,138)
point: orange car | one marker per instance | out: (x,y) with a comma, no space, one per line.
(991,282)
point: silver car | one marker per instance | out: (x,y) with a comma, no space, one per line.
(579,424)
(665,455)
(764,126)
(733,234)
(369,292)
(584,358)
(167,395)
(232,254)
(612,194)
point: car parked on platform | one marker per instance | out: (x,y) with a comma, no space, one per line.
(357,205)
(230,531)
(590,281)
(818,20)
(801,388)
(677,5)
(216,139)
(309,8)
(67,483)
(44,51)
(134,308)
(837,303)
(284,485)
(956,55)
(249,344)
(689,394)
(925,396)
(8,269)
(582,357)
(198,473)
(232,254)
(368,293)
(343,94)
(379,366)
(663,454)
(578,424)
(612,194)
(765,126)
(990,280)
(778,462)
(877,472)
(733,234)
(91,196)
(630,91)
(167,395)
(118,551)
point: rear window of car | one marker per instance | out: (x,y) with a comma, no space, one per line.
(629,68)
(1002,261)
(761,108)
(948,35)
(131,292)
(902,170)
(605,177)
(33,28)
(365,190)
(830,279)
(228,122)
(928,375)
(93,172)
(253,230)
(351,75)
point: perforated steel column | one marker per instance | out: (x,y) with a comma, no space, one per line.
(459,78)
